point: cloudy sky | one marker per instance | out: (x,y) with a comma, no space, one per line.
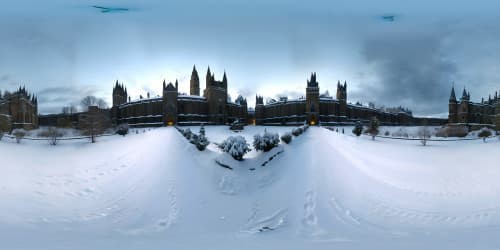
(64,50)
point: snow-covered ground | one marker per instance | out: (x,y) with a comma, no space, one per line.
(327,190)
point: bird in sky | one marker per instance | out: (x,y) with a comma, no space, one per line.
(388,18)
(110,9)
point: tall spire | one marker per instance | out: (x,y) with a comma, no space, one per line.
(194,83)
(452,94)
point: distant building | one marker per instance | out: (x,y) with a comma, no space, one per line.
(316,108)
(18,110)
(182,109)
(464,111)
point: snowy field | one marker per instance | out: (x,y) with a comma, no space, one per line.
(327,190)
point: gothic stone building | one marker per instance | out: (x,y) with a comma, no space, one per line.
(464,111)
(182,109)
(18,110)
(316,108)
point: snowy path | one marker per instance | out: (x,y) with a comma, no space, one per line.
(325,190)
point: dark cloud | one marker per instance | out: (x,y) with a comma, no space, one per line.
(410,70)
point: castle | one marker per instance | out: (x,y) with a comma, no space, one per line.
(18,110)
(464,111)
(182,109)
(323,109)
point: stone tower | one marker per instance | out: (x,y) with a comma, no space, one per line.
(452,107)
(259,110)
(312,100)
(194,84)
(119,94)
(170,93)
(216,94)
(342,99)
(463,108)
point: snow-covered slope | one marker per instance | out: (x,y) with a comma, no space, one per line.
(326,190)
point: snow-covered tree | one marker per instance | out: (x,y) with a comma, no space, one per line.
(286,137)
(358,128)
(202,130)
(236,146)
(202,141)
(194,139)
(373,127)
(265,142)
(187,133)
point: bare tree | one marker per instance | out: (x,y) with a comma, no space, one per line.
(93,123)
(68,110)
(93,101)
(19,134)
(101,103)
(424,134)
(54,135)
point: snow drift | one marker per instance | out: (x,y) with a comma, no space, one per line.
(324,190)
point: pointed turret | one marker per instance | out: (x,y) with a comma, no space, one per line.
(464,94)
(194,84)
(453,97)
(208,78)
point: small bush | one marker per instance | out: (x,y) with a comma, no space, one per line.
(202,141)
(187,133)
(387,133)
(122,129)
(358,128)
(453,131)
(401,132)
(236,146)
(194,139)
(484,133)
(297,131)
(265,142)
(286,138)
(19,134)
